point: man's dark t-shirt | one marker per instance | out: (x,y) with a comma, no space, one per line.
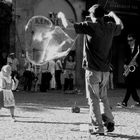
(98,42)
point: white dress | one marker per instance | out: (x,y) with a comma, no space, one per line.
(52,70)
(6,87)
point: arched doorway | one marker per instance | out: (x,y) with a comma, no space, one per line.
(53,6)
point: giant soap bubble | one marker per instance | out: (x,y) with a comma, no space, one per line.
(44,41)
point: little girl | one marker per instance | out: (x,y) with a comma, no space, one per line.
(7,84)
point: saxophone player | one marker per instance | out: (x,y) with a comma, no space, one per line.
(130,79)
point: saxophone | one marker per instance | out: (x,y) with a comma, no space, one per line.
(131,66)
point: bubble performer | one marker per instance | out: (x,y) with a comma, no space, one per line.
(97,57)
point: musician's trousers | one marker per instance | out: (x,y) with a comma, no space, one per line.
(131,88)
(96,90)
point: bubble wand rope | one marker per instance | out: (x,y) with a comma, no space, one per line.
(72,45)
(106,3)
(65,24)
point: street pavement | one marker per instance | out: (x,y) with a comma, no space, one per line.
(48,116)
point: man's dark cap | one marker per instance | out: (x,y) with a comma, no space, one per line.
(97,10)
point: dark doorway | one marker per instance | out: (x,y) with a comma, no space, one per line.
(5,21)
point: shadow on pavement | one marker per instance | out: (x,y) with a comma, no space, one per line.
(45,122)
(114,135)
(50,99)
(16,116)
(128,109)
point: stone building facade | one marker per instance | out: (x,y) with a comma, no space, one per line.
(24,10)
(127,10)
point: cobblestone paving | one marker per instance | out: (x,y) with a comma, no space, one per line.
(48,116)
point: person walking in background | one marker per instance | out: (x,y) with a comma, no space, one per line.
(58,72)
(28,76)
(7,84)
(37,78)
(45,77)
(96,62)
(132,63)
(51,69)
(69,75)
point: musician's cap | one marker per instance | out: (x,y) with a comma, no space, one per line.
(97,10)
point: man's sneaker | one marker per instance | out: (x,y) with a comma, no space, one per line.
(98,131)
(122,105)
(109,126)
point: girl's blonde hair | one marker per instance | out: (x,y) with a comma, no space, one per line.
(6,69)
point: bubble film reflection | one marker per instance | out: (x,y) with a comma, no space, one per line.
(44,41)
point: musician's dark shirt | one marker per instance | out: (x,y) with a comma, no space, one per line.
(133,77)
(129,55)
(98,42)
